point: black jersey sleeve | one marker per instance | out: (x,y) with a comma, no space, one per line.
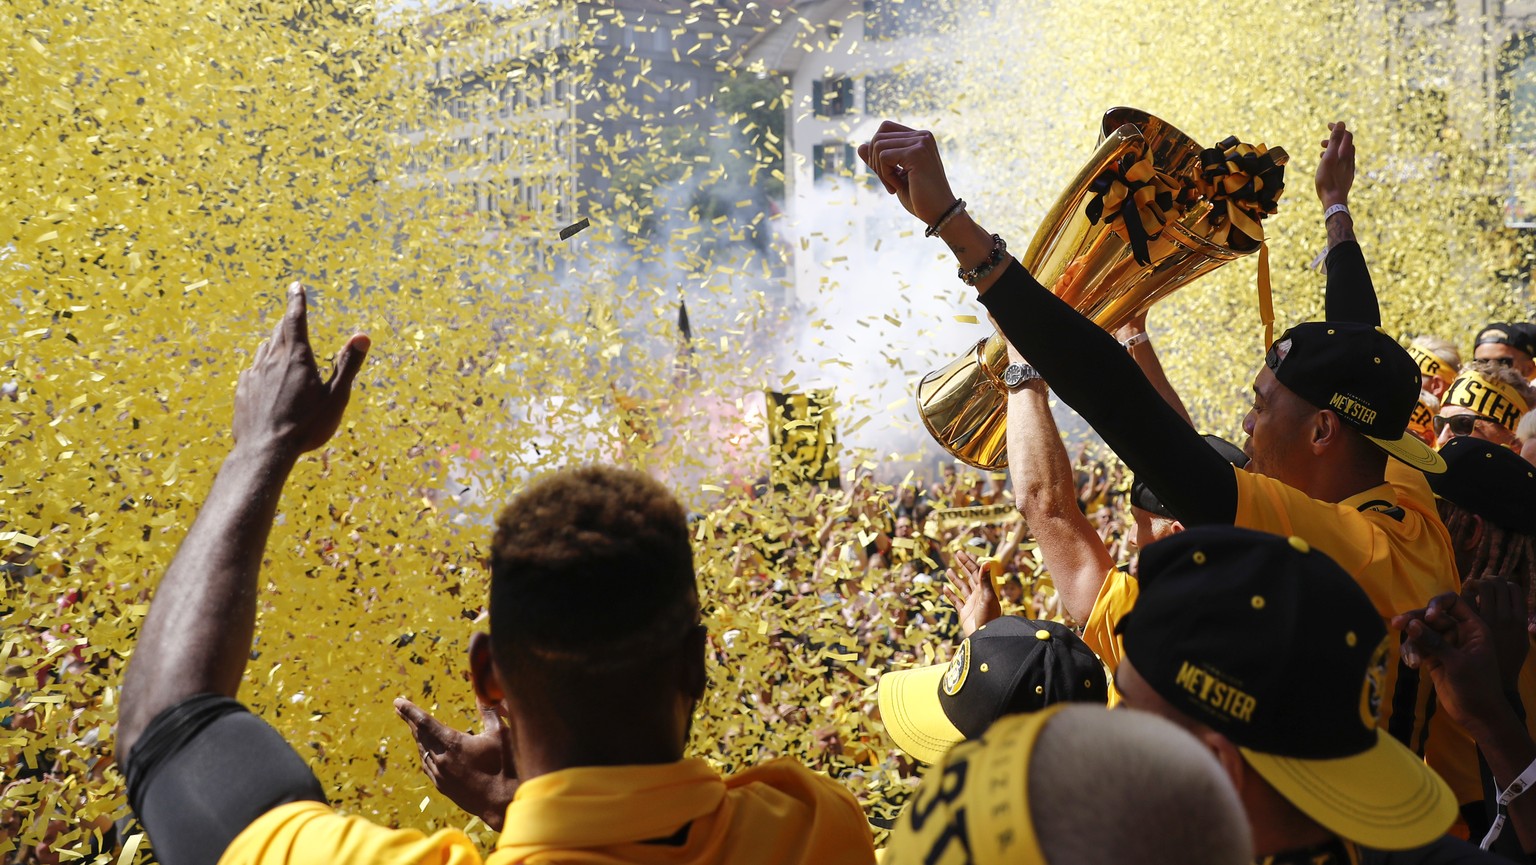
(1090,371)
(1350,295)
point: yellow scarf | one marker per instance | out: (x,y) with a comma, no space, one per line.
(777,812)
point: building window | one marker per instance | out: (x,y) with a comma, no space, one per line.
(898,19)
(833,159)
(832,97)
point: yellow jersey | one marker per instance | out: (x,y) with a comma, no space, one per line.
(675,813)
(1391,540)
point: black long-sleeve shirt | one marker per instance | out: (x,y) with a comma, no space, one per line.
(1074,355)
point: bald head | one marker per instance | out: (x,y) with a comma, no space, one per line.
(1075,785)
(1128,786)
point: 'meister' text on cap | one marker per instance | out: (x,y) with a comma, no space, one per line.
(1350,407)
(1229,701)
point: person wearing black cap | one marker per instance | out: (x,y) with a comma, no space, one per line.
(1511,344)
(1271,655)
(1332,457)
(1487,497)
(1008,666)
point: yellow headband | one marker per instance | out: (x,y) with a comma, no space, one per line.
(984,783)
(1432,366)
(1488,397)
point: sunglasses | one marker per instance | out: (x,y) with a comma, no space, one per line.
(1501,361)
(1461,424)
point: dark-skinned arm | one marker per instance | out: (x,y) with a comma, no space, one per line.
(197,636)
(1451,640)
(1350,295)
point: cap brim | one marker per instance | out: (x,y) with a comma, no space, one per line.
(1385,798)
(1413,451)
(910,710)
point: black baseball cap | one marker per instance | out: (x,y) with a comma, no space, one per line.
(1009,665)
(1273,645)
(1143,497)
(1489,480)
(1520,336)
(1362,375)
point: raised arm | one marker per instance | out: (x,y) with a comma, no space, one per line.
(1350,295)
(1046,494)
(197,636)
(1133,335)
(1084,365)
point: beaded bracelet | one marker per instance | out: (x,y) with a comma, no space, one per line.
(971,277)
(949,214)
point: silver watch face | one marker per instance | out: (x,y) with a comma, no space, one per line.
(1016,374)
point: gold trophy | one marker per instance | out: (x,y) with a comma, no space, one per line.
(1150,212)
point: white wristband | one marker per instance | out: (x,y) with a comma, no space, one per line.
(1335,208)
(1526,780)
(1135,340)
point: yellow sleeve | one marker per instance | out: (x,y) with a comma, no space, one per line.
(310,832)
(1412,486)
(1116,598)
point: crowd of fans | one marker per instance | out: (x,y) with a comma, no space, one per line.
(802,603)
(1320,637)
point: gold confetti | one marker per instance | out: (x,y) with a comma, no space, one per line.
(155,216)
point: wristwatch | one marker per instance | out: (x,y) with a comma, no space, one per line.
(1015,376)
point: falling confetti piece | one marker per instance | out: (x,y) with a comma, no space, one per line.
(218,156)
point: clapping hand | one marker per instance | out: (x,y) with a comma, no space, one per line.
(1456,647)
(973,594)
(475,771)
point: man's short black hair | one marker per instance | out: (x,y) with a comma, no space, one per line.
(592,568)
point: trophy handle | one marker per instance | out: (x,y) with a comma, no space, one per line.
(1061,230)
